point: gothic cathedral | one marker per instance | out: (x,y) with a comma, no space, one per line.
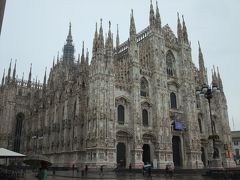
(134,102)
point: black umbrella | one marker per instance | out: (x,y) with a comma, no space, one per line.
(37,161)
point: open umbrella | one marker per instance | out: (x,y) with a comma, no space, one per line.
(5,153)
(37,161)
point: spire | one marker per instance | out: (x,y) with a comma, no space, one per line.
(22,79)
(36,82)
(45,78)
(117,38)
(214,77)
(14,70)
(69,37)
(78,59)
(132,28)
(100,37)
(68,49)
(158,18)
(30,76)
(87,57)
(3,77)
(200,58)
(95,40)
(151,16)
(82,56)
(220,84)
(53,61)
(179,29)
(202,70)
(58,57)
(185,34)
(109,38)
(9,72)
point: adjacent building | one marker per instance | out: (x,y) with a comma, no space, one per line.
(133,101)
(2,8)
(236,145)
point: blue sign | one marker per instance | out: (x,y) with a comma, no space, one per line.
(178,126)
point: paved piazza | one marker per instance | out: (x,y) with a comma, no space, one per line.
(112,176)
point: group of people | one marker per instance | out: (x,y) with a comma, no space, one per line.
(42,174)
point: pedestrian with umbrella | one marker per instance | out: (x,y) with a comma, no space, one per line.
(42,172)
(41,162)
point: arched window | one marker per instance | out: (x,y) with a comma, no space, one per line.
(120,114)
(170,63)
(145,117)
(173,100)
(144,87)
(200,125)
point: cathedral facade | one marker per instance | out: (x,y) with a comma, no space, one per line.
(134,102)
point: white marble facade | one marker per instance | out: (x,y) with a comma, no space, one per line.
(120,107)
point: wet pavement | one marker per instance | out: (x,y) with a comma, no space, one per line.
(110,175)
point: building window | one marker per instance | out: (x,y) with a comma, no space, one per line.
(145,117)
(120,114)
(173,100)
(170,63)
(235,142)
(144,87)
(200,125)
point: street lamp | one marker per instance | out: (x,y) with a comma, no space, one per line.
(207,92)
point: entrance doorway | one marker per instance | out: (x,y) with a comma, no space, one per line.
(121,155)
(146,158)
(176,148)
(203,156)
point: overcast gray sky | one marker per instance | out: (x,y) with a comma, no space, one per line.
(35,30)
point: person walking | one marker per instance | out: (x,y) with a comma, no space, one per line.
(86,169)
(130,167)
(101,170)
(42,173)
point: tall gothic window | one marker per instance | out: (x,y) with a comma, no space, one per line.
(170,63)
(173,100)
(144,87)
(145,117)
(18,132)
(120,114)
(200,125)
